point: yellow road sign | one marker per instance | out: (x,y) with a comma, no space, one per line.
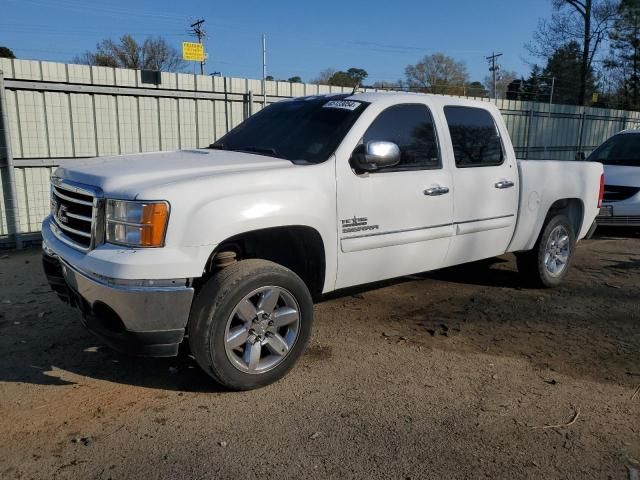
(193,52)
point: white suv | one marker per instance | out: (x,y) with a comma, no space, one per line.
(621,158)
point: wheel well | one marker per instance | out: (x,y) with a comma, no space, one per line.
(572,208)
(298,248)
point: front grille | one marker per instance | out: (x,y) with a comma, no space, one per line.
(614,193)
(75,211)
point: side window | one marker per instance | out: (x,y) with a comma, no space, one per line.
(475,138)
(411,128)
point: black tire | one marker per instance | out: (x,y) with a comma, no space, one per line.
(214,305)
(532,265)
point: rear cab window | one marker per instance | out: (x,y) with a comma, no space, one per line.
(475,137)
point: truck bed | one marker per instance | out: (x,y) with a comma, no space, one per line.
(543,181)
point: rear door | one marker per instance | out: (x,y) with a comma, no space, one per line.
(485,175)
(396,220)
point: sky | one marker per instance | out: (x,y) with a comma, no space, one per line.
(303,38)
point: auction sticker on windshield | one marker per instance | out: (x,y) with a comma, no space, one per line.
(342,104)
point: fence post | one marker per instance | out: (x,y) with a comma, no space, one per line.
(528,133)
(226,105)
(581,129)
(11,200)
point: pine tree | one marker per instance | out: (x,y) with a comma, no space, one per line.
(625,47)
(566,65)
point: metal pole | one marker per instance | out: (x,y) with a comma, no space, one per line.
(553,85)
(12,205)
(226,106)
(264,70)
(250,109)
(494,70)
(582,119)
(495,75)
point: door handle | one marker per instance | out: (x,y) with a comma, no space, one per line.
(435,191)
(504,184)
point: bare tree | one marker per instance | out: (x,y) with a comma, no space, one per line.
(153,54)
(505,77)
(157,54)
(587,22)
(324,76)
(438,73)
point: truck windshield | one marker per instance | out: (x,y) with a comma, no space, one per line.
(305,130)
(621,149)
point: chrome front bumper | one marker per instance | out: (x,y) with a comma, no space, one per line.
(143,318)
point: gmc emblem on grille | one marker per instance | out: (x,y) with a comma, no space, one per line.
(61,214)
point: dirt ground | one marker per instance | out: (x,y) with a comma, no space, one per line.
(462,373)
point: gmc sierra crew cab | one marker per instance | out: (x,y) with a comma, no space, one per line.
(227,247)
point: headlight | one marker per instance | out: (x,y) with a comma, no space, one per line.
(136,224)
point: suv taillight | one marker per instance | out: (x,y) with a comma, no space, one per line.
(601,194)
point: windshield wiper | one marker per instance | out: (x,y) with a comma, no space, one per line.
(218,146)
(272,152)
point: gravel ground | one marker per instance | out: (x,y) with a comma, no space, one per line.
(462,373)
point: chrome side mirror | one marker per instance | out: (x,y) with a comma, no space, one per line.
(372,156)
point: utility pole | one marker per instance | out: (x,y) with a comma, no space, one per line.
(264,70)
(493,68)
(198,31)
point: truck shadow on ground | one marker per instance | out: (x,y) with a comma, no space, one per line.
(74,353)
(482,273)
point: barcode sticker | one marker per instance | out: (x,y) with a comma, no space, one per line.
(342,104)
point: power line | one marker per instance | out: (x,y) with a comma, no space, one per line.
(83,8)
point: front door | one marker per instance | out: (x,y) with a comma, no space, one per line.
(398,220)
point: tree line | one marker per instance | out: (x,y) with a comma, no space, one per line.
(591,55)
(587,53)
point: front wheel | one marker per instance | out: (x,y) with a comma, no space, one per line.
(548,263)
(250,323)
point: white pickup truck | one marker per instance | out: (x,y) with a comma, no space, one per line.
(227,246)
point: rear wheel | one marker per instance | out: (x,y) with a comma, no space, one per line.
(250,323)
(548,263)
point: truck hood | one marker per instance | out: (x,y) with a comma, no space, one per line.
(127,175)
(622,176)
